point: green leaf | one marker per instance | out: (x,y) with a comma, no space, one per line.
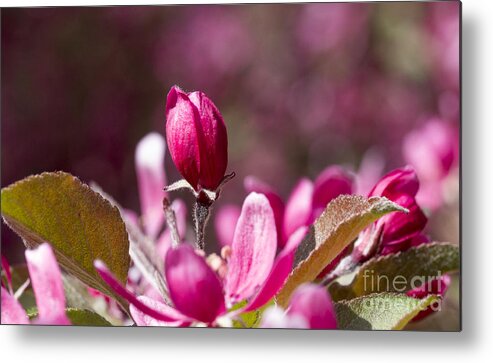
(400,272)
(79,317)
(385,311)
(86,317)
(77,222)
(341,222)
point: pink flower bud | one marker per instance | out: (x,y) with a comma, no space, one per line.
(398,181)
(396,231)
(433,150)
(197,138)
(330,183)
(401,230)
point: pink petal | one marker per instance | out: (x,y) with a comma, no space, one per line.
(142,319)
(194,288)
(182,134)
(169,316)
(253,249)
(151,178)
(11,309)
(253,184)
(398,181)
(419,240)
(400,228)
(225,223)
(313,303)
(298,208)
(279,273)
(433,149)
(46,280)
(53,320)
(213,141)
(331,183)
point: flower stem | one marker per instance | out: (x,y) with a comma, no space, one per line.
(201,212)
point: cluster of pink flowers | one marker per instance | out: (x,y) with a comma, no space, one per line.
(255,270)
(259,240)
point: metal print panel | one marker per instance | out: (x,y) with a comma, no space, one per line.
(232,166)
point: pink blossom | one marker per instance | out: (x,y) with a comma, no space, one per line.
(194,288)
(46,280)
(399,230)
(444,41)
(252,184)
(253,249)
(281,269)
(396,231)
(142,319)
(433,150)
(306,201)
(330,183)
(197,138)
(151,177)
(298,211)
(395,183)
(310,307)
(254,272)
